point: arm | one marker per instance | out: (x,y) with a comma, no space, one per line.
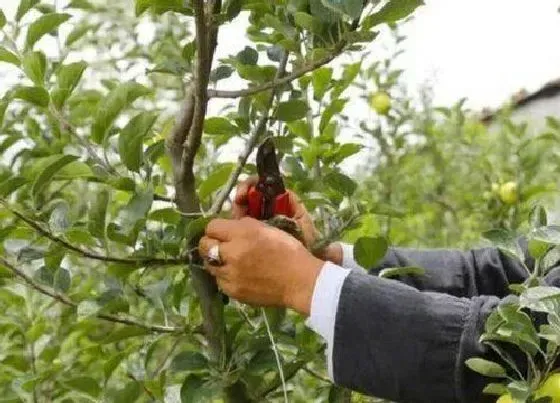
(393,341)
(485,271)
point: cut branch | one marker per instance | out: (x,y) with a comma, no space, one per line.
(140,261)
(277,82)
(63,299)
(251,143)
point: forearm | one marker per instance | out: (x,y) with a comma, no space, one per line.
(392,341)
(485,271)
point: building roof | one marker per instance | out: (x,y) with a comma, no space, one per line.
(523,97)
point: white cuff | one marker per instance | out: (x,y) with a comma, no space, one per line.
(348,257)
(324,306)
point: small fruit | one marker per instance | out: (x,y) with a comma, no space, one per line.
(380,102)
(506,398)
(508,193)
(550,388)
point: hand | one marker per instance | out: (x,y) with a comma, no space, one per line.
(301,216)
(262,265)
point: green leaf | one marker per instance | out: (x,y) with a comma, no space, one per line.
(24,7)
(497,389)
(486,368)
(196,228)
(321,79)
(293,109)
(8,57)
(341,183)
(323,13)
(233,8)
(80,4)
(59,221)
(44,25)
(368,251)
(120,97)
(192,390)
(215,180)
(48,173)
(220,126)
(84,384)
(506,241)
(537,249)
(248,56)
(393,11)
(62,280)
(35,95)
(550,234)
(189,361)
(537,216)
(308,22)
(136,209)
(68,77)
(112,363)
(98,214)
(541,299)
(402,271)
(77,33)
(34,65)
(349,8)
(334,108)
(131,139)
(2,19)
(130,393)
(10,185)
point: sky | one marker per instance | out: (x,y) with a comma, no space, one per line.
(484,50)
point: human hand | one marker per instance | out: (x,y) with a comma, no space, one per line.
(261,265)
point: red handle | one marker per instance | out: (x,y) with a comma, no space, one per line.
(255,203)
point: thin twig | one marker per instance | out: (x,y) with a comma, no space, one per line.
(161,366)
(277,82)
(67,126)
(276,355)
(316,375)
(250,145)
(141,261)
(291,370)
(63,299)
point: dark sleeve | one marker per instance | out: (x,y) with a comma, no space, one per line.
(398,343)
(395,342)
(485,271)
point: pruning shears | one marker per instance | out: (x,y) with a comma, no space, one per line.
(268,197)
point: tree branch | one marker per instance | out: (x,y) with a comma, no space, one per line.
(187,134)
(141,261)
(290,370)
(250,145)
(277,82)
(63,299)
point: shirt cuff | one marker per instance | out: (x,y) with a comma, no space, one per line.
(348,257)
(324,305)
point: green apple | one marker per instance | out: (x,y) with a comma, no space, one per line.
(506,398)
(380,102)
(508,193)
(550,388)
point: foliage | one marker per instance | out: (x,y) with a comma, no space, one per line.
(109,174)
